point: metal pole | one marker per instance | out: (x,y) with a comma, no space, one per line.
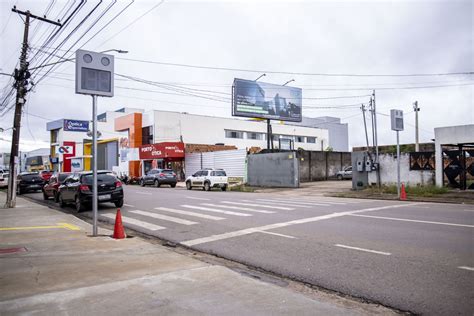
(365,127)
(398,165)
(417,109)
(269,134)
(94,165)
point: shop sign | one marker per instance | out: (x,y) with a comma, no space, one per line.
(76,165)
(162,150)
(76,126)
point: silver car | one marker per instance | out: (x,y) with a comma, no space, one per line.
(345,173)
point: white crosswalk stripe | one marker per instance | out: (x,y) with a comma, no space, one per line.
(164,217)
(239,208)
(259,205)
(309,203)
(215,210)
(136,222)
(171,210)
(284,203)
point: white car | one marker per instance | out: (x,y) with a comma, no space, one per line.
(3,178)
(207,179)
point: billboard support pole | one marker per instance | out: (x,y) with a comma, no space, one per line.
(95,198)
(269,134)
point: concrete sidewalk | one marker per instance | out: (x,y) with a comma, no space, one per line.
(51,265)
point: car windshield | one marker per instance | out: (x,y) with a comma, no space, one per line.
(101,178)
(63,176)
(220,173)
(167,171)
(30,176)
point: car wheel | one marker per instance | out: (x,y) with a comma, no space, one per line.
(80,207)
(61,201)
(339,177)
(207,186)
(188,185)
(224,188)
(142,183)
(157,183)
(173,185)
(119,203)
(45,196)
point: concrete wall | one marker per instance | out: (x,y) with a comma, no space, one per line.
(388,172)
(200,129)
(320,165)
(273,170)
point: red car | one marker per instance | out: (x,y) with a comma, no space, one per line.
(45,175)
(50,189)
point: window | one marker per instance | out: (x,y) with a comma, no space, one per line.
(299,139)
(253,135)
(147,135)
(220,173)
(311,140)
(202,173)
(234,134)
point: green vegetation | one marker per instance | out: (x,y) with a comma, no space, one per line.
(241,188)
(425,191)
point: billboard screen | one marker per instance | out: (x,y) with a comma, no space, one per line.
(266,100)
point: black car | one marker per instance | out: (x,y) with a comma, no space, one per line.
(77,189)
(158,177)
(29,181)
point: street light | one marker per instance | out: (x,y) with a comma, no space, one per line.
(262,75)
(288,82)
(6,129)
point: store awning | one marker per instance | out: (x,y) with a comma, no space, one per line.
(162,150)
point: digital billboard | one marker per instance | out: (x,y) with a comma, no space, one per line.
(266,100)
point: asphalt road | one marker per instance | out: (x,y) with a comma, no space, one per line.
(416,257)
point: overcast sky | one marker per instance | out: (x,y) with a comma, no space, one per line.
(323,37)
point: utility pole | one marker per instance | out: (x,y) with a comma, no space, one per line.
(372,113)
(365,127)
(416,109)
(21,81)
(379,181)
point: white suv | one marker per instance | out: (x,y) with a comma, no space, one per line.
(207,179)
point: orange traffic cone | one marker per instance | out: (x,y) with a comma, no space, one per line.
(119,232)
(403,193)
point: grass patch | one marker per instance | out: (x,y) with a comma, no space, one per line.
(241,188)
(424,191)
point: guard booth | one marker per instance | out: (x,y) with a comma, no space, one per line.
(166,155)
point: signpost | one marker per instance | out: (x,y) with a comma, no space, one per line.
(396,119)
(95,77)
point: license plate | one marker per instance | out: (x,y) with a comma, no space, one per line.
(104,197)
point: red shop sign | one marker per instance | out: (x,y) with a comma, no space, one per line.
(162,150)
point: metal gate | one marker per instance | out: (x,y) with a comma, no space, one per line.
(458,168)
(232,161)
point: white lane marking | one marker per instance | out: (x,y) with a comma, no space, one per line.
(133,221)
(259,205)
(215,210)
(146,193)
(299,203)
(466,268)
(363,249)
(413,220)
(282,203)
(197,198)
(312,202)
(247,231)
(214,218)
(237,208)
(469,210)
(128,205)
(277,234)
(164,217)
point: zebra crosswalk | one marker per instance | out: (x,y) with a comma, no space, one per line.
(203,210)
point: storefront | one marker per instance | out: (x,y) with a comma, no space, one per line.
(167,155)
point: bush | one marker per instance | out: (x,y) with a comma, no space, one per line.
(429,190)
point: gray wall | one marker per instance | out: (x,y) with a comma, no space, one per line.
(321,165)
(273,170)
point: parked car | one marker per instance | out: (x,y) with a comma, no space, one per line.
(3,178)
(29,181)
(345,173)
(46,175)
(207,179)
(50,189)
(77,189)
(157,177)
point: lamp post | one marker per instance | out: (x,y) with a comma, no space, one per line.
(288,82)
(262,75)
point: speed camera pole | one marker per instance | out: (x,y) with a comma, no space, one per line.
(398,164)
(396,120)
(94,77)
(95,198)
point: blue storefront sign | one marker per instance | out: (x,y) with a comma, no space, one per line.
(76,126)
